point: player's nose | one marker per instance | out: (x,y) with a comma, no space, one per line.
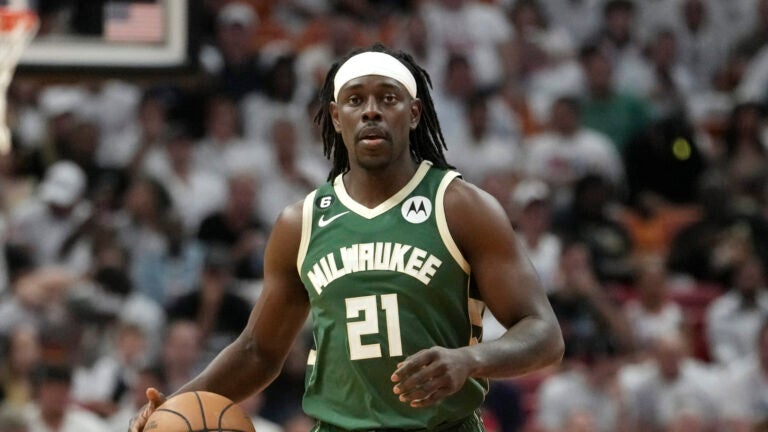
(371,110)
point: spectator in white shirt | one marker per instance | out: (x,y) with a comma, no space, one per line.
(484,151)
(223,150)
(652,314)
(53,410)
(533,205)
(745,401)
(44,223)
(586,396)
(678,389)
(733,320)
(291,176)
(194,193)
(568,151)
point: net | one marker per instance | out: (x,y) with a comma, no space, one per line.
(17,28)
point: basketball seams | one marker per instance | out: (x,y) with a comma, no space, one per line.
(202,410)
(231,418)
(221,415)
(183,417)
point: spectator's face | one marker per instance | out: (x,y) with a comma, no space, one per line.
(602,371)
(618,23)
(152,117)
(535,217)
(53,397)
(526,19)
(576,258)
(180,153)
(284,142)
(416,32)
(665,50)
(459,79)
(342,34)
(478,117)
(139,199)
(222,120)
(242,193)
(25,350)
(599,73)
(131,344)
(565,118)
(749,276)
(234,40)
(181,349)
(693,12)
(85,141)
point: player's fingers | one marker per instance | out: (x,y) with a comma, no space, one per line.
(426,376)
(155,397)
(430,399)
(416,380)
(421,391)
(411,365)
(140,419)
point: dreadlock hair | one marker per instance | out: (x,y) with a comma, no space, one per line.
(426,140)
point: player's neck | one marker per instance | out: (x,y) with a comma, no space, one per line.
(372,187)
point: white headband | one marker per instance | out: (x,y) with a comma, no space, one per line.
(373,63)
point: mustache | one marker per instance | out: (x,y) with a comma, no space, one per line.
(372,132)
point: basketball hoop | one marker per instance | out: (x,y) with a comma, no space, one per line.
(17,28)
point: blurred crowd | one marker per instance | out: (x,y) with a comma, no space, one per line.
(627,141)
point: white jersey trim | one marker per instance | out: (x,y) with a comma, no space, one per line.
(306,228)
(442,222)
(370,213)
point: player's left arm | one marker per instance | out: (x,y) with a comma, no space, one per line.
(510,288)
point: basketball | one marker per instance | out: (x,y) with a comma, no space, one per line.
(199,411)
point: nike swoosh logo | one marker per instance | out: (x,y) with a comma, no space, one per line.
(323,222)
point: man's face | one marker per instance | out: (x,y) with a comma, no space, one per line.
(374,115)
(53,397)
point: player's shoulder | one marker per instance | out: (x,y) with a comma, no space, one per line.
(472,214)
(291,216)
(463,196)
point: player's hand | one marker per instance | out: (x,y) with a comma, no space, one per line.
(140,419)
(431,375)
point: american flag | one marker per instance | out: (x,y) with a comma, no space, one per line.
(133,22)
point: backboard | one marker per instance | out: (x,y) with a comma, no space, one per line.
(109,34)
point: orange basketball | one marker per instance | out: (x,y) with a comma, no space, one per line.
(199,411)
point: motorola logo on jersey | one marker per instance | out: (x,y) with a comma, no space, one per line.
(416,209)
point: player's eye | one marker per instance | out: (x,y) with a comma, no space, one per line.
(390,98)
(354,100)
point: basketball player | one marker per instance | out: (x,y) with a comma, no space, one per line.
(394,258)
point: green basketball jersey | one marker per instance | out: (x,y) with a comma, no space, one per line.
(383,283)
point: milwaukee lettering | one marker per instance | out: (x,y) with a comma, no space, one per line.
(385,256)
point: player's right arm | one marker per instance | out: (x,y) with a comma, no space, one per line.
(256,357)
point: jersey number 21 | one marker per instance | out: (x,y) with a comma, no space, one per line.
(369,306)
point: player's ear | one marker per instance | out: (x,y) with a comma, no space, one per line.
(415,113)
(334,110)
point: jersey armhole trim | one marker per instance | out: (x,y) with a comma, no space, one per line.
(306,229)
(442,222)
